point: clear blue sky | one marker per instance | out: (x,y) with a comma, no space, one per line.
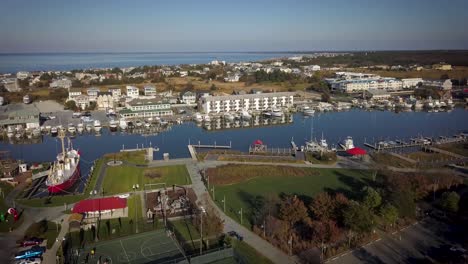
(228,25)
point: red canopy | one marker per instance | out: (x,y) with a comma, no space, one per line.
(258,142)
(101,204)
(356,151)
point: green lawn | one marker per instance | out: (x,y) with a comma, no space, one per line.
(134,157)
(186,229)
(248,253)
(44,229)
(121,179)
(241,194)
(133,202)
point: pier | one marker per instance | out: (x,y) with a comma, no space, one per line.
(215,146)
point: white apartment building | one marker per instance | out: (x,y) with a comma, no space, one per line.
(254,102)
(61,83)
(357,85)
(188,98)
(411,82)
(149,90)
(73,92)
(93,93)
(144,108)
(133,91)
(116,93)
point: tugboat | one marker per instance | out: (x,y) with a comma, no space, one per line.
(65,170)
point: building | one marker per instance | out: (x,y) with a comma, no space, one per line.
(442,67)
(440,84)
(116,93)
(61,83)
(11,85)
(105,100)
(232,78)
(22,75)
(254,102)
(132,92)
(411,82)
(82,101)
(144,108)
(217,62)
(312,68)
(93,93)
(73,92)
(188,98)
(149,90)
(378,95)
(19,114)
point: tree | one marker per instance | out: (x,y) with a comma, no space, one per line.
(323,206)
(372,198)
(449,201)
(389,213)
(213,87)
(404,202)
(71,105)
(292,210)
(359,218)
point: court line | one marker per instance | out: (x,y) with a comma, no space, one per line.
(128,259)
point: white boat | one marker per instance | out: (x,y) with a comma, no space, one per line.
(71,128)
(429,105)
(36,132)
(10,132)
(418,105)
(48,128)
(80,127)
(198,117)
(277,113)
(228,117)
(97,125)
(138,123)
(54,131)
(18,135)
(147,124)
(309,112)
(113,125)
(123,124)
(62,128)
(449,103)
(245,115)
(267,114)
(89,127)
(348,143)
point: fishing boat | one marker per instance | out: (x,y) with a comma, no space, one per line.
(97,125)
(66,169)
(348,143)
(71,128)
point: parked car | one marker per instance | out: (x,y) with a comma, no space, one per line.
(236,235)
(35,251)
(76,115)
(31,241)
(87,113)
(29,261)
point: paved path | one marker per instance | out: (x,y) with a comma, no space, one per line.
(262,246)
(50,254)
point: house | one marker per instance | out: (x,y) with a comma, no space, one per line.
(183,73)
(144,108)
(132,92)
(93,93)
(217,62)
(254,102)
(19,114)
(116,93)
(105,100)
(73,92)
(188,98)
(442,67)
(149,91)
(82,101)
(22,75)
(61,83)
(232,78)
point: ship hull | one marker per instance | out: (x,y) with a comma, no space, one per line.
(58,188)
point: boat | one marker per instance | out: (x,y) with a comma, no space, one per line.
(348,143)
(10,132)
(2,100)
(138,123)
(80,127)
(449,103)
(36,132)
(71,128)
(18,135)
(276,113)
(207,118)
(54,131)
(267,114)
(26,99)
(123,124)
(147,124)
(97,125)
(309,112)
(65,171)
(198,117)
(89,127)
(418,105)
(245,115)
(113,125)
(228,117)
(323,143)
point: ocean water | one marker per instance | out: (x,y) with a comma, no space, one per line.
(12,63)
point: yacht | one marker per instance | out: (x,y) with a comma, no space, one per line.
(207,118)
(138,123)
(309,112)
(89,127)
(198,117)
(418,105)
(80,127)
(245,115)
(71,128)
(276,113)
(267,114)
(123,124)
(54,131)
(113,125)
(97,125)
(228,117)
(147,124)
(36,132)
(348,143)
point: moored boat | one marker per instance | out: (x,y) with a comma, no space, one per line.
(97,125)
(348,143)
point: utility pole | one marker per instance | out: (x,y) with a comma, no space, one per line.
(213,191)
(241,215)
(135,187)
(202,211)
(224,203)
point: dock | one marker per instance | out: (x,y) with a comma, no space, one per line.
(214,146)
(40,175)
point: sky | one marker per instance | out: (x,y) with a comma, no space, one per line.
(228,25)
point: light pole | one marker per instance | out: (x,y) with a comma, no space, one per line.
(213,191)
(202,211)
(224,203)
(135,187)
(240,212)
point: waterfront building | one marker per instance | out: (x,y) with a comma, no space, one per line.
(132,91)
(61,83)
(93,93)
(73,92)
(411,82)
(149,90)
(254,102)
(19,114)
(440,84)
(378,95)
(105,100)
(365,84)
(188,98)
(144,108)
(82,101)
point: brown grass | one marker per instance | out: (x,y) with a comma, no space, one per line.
(231,174)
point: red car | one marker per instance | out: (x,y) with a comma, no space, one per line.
(33,241)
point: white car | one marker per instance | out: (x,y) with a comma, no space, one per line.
(29,261)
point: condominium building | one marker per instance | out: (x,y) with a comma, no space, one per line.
(133,91)
(254,102)
(144,108)
(357,85)
(188,98)
(411,82)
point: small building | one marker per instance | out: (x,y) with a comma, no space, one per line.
(19,114)
(109,207)
(116,93)
(93,93)
(232,78)
(105,100)
(188,98)
(22,75)
(73,92)
(144,108)
(378,95)
(442,67)
(82,101)
(149,91)
(132,92)
(61,83)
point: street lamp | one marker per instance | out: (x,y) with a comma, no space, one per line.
(135,187)
(224,203)
(202,211)
(240,212)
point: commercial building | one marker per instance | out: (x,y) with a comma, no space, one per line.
(144,108)
(254,102)
(19,114)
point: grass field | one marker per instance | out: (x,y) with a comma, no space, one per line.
(428,156)
(134,157)
(389,160)
(457,148)
(149,247)
(248,253)
(121,179)
(267,181)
